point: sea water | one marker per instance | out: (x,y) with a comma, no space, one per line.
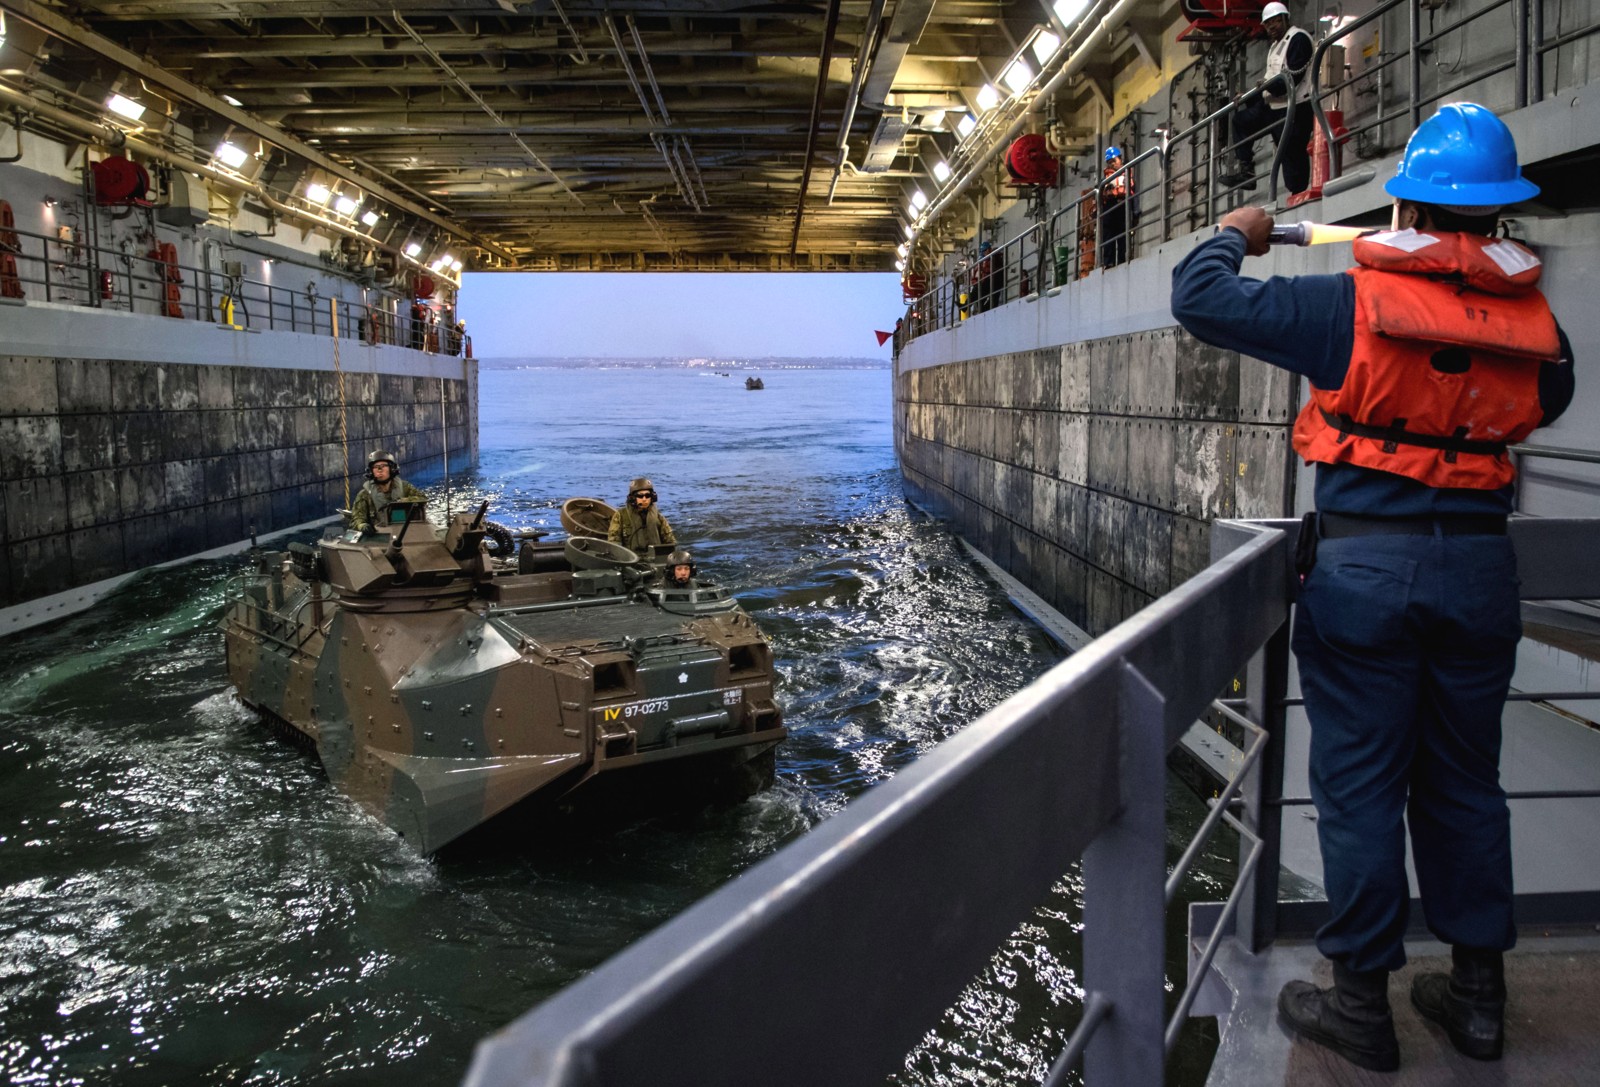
(185,899)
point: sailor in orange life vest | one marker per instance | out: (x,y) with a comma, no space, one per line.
(1424,361)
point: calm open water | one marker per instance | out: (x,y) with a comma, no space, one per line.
(184,898)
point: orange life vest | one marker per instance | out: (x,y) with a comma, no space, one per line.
(1450,332)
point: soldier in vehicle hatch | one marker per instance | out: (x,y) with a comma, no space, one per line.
(383,488)
(639,524)
(680,569)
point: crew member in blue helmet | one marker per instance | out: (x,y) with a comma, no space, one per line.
(1119,210)
(1424,362)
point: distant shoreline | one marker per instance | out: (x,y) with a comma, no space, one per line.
(707,365)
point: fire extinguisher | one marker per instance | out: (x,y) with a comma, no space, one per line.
(106,290)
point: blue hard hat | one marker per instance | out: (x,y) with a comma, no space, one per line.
(1113,153)
(1462,156)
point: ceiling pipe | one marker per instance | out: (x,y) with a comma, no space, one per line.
(106,134)
(1081,55)
(577,39)
(661,143)
(823,63)
(869,38)
(466,88)
(680,143)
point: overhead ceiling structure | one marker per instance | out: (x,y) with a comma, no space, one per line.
(573,134)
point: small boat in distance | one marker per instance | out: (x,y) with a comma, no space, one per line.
(754,383)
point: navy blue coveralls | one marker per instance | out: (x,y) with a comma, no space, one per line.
(1405,644)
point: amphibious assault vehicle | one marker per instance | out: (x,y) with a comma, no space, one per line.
(444,682)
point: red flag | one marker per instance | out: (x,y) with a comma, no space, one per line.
(883,337)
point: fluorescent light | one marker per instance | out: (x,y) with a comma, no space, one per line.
(919,199)
(1017,76)
(965,126)
(941,171)
(455,266)
(988,98)
(413,249)
(911,231)
(370,219)
(232,155)
(125,107)
(318,194)
(232,101)
(1069,10)
(344,205)
(1045,45)
(900,265)
(900,250)
(446,259)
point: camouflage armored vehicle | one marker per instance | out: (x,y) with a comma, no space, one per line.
(442,687)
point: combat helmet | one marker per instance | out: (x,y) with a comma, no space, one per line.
(385,455)
(678,558)
(642,485)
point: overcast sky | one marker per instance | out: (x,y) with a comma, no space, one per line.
(679,314)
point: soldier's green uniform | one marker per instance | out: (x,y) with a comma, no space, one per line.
(370,508)
(636,529)
(633,532)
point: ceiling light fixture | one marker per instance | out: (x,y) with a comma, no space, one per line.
(1017,76)
(124,107)
(345,205)
(413,249)
(1045,45)
(318,193)
(941,171)
(1069,10)
(231,155)
(370,219)
(988,98)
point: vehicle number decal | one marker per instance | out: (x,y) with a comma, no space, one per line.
(647,706)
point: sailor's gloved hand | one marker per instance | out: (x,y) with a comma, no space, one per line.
(352,536)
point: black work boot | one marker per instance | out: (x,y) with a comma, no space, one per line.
(1469,1002)
(1352,1018)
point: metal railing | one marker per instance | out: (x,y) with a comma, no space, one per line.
(1073,241)
(829,960)
(77,272)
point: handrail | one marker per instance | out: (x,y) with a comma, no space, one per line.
(1555,452)
(864,930)
(106,277)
